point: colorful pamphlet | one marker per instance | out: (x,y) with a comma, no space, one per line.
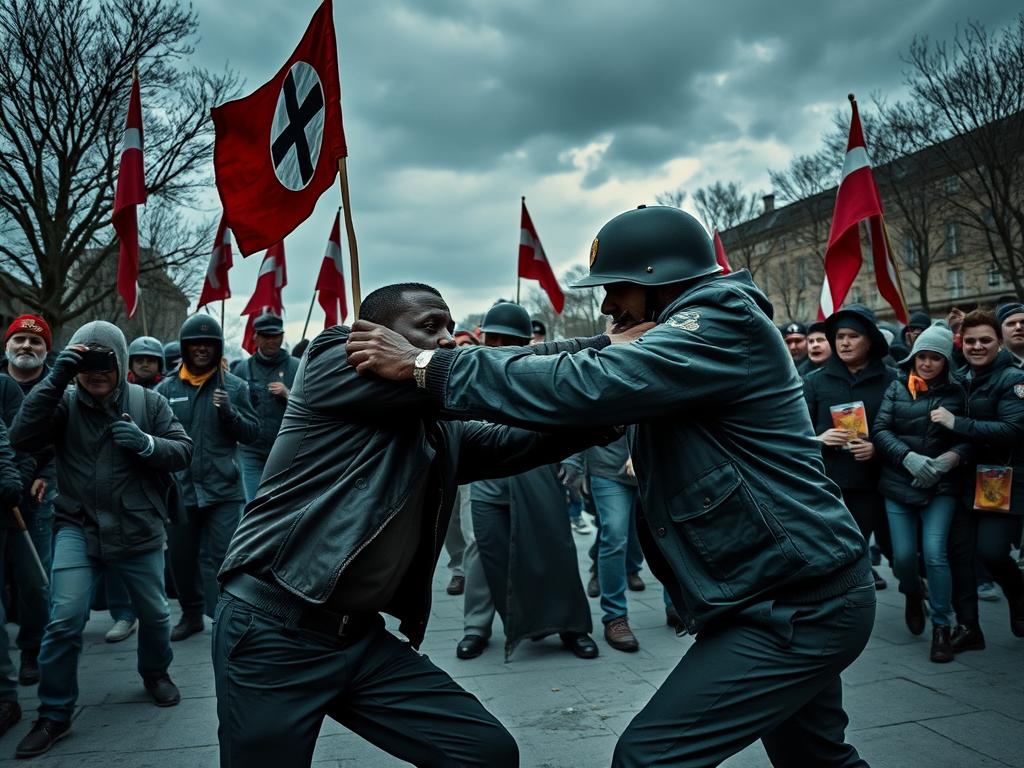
(852,418)
(992,488)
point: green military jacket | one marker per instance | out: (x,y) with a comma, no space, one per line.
(736,502)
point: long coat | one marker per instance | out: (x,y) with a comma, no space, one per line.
(535,581)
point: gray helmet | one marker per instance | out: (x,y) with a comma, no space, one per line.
(146,345)
(507,319)
(172,354)
(652,245)
(200,326)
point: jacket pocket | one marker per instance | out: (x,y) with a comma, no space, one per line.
(741,546)
(140,521)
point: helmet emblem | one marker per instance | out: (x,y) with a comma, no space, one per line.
(593,253)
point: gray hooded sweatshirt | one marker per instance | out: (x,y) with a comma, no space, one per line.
(117,497)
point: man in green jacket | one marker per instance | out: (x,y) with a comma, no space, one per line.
(740,523)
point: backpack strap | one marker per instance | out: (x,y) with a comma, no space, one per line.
(137,406)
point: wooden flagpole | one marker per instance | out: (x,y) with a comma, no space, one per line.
(309,314)
(353,252)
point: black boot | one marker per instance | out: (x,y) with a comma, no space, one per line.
(880,583)
(1017,616)
(44,734)
(914,614)
(942,646)
(28,673)
(189,624)
(968,638)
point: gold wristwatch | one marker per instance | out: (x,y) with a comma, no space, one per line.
(419,370)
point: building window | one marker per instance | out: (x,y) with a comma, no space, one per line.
(952,238)
(952,184)
(856,295)
(995,276)
(909,251)
(955,282)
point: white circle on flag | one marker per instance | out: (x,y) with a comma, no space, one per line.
(297,132)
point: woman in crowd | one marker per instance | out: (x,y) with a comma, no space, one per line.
(988,522)
(918,480)
(855,372)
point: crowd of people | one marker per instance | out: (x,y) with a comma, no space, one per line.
(131,466)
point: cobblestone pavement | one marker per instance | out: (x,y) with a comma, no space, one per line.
(563,711)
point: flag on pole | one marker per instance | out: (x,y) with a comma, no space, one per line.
(331,281)
(266,297)
(720,257)
(857,200)
(277,150)
(215,286)
(129,191)
(533,262)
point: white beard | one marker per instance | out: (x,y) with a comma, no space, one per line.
(25,361)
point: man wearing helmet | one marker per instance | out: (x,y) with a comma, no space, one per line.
(145,361)
(760,557)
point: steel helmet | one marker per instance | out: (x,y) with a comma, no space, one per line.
(651,245)
(201,326)
(146,345)
(507,319)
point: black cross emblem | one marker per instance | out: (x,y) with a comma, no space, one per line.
(294,134)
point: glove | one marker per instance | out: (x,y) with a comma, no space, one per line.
(225,409)
(921,470)
(128,435)
(571,478)
(66,366)
(945,462)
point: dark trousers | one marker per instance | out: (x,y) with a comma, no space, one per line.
(275,685)
(770,673)
(197,548)
(868,508)
(986,537)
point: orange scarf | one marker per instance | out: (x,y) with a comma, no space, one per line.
(916,384)
(196,380)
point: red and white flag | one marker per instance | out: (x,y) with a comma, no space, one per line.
(331,281)
(534,264)
(266,297)
(277,150)
(215,286)
(857,200)
(129,191)
(720,257)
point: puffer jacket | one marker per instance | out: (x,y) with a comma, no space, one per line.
(904,425)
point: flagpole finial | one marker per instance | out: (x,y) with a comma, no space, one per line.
(523,198)
(851,97)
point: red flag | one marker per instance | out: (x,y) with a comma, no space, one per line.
(216,287)
(857,200)
(129,191)
(277,150)
(267,295)
(720,257)
(534,264)
(331,280)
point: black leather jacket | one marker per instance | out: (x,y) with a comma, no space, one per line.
(349,451)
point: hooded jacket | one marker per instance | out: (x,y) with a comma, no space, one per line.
(353,452)
(115,496)
(736,506)
(904,425)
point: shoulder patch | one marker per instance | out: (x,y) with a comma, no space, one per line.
(1018,390)
(687,320)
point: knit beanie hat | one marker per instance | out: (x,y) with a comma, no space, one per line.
(30,324)
(937,339)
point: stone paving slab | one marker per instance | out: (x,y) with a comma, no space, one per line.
(563,711)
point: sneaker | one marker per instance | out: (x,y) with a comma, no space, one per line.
(593,588)
(581,526)
(967,639)
(942,646)
(28,672)
(987,591)
(635,583)
(880,583)
(619,636)
(10,713)
(457,585)
(189,624)
(44,734)
(121,630)
(913,613)
(164,692)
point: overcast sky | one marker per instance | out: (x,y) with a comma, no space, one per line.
(453,109)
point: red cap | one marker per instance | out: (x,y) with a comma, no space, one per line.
(30,324)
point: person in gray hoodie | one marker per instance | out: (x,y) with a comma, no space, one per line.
(116,445)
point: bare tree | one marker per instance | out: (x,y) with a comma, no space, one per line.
(581,315)
(726,207)
(803,183)
(673,198)
(64,82)
(970,92)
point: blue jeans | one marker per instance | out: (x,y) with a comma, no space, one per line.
(934,518)
(74,578)
(614,502)
(118,601)
(252,472)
